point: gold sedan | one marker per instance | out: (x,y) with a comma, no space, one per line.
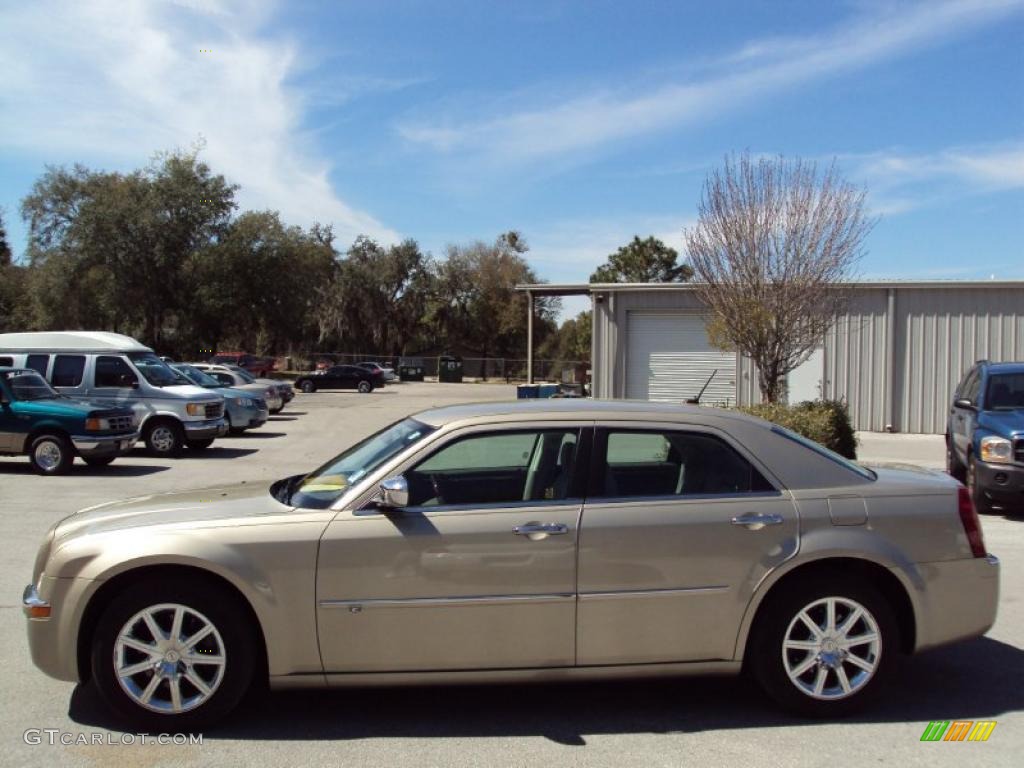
(518,541)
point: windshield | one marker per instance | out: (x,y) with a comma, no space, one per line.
(197,377)
(822,450)
(1005,392)
(322,487)
(29,385)
(156,371)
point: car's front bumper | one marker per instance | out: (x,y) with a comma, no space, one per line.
(958,600)
(104,445)
(1002,484)
(247,417)
(201,430)
(52,639)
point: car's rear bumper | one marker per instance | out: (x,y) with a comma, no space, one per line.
(104,445)
(959,600)
(1002,484)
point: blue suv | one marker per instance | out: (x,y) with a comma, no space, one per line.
(985,436)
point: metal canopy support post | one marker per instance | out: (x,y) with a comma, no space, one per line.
(529,337)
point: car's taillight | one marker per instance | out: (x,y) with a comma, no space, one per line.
(972,526)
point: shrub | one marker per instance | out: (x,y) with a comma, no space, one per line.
(824,421)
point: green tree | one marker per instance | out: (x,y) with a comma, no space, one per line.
(643,261)
(571,341)
(5,249)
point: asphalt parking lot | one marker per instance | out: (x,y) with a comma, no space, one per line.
(660,723)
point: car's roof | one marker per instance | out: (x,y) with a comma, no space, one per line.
(1006,367)
(571,408)
(76,341)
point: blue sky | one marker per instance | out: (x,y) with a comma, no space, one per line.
(579,123)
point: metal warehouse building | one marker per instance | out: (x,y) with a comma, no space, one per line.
(895,356)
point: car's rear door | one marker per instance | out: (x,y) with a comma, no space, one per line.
(679,526)
(478,572)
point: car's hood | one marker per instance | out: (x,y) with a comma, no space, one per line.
(191,391)
(209,505)
(63,406)
(233,392)
(1007,423)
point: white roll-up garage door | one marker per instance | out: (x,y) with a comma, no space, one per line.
(669,358)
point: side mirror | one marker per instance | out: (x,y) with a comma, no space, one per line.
(394,493)
(963,402)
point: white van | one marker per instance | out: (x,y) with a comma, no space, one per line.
(111,368)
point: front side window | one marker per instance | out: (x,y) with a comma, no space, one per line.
(322,487)
(29,385)
(113,371)
(196,376)
(243,374)
(673,463)
(156,371)
(68,370)
(972,387)
(497,468)
(1005,392)
(225,379)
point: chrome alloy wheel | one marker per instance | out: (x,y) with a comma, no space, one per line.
(48,455)
(162,438)
(169,658)
(832,648)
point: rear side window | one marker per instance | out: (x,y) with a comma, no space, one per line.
(68,370)
(672,463)
(38,363)
(8,361)
(113,372)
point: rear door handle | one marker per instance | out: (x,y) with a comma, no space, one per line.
(755,522)
(539,530)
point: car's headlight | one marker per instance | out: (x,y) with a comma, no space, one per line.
(996,450)
(195,409)
(243,402)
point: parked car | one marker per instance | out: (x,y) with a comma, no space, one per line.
(37,421)
(117,370)
(340,377)
(387,374)
(243,410)
(539,540)
(230,376)
(284,388)
(257,366)
(985,436)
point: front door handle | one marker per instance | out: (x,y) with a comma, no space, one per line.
(540,530)
(755,522)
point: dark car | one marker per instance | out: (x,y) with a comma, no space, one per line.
(340,377)
(985,436)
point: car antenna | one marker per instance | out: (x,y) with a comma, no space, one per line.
(696,400)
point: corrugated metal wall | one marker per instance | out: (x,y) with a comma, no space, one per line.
(937,333)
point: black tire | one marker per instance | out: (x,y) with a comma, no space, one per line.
(164,438)
(308,387)
(276,411)
(98,461)
(953,465)
(365,387)
(199,445)
(51,454)
(766,655)
(981,504)
(203,600)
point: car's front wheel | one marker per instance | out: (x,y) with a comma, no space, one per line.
(51,454)
(824,649)
(953,465)
(164,437)
(365,387)
(173,656)
(308,387)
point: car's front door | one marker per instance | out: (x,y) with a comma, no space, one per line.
(115,383)
(678,529)
(12,428)
(962,418)
(478,572)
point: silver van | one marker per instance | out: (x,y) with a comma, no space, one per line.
(111,368)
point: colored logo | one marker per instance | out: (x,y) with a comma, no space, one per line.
(958,730)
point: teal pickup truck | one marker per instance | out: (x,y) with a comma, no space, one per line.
(52,429)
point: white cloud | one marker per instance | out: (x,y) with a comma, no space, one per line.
(593,119)
(116,80)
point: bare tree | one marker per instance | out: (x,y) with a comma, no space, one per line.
(774,243)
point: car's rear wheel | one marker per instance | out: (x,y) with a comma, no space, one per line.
(164,437)
(98,461)
(51,455)
(365,387)
(308,387)
(953,465)
(173,655)
(981,504)
(824,649)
